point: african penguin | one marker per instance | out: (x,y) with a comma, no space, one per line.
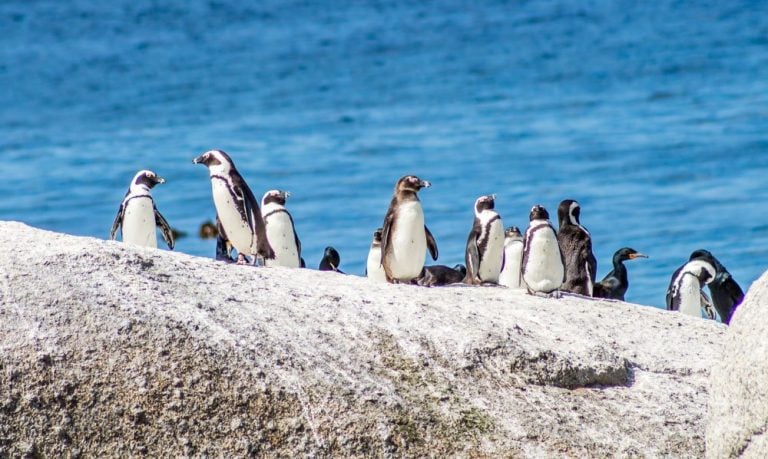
(281,233)
(576,247)
(684,293)
(485,244)
(236,207)
(373,268)
(614,285)
(404,236)
(542,266)
(513,257)
(138,216)
(330,261)
(726,293)
(439,275)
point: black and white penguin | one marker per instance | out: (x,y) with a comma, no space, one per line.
(281,233)
(138,215)
(576,247)
(685,289)
(373,268)
(543,265)
(513,258)
(484,252)
(331,260)
(236,207)
(404,237)
(439,275)
(726,293)
(614,286)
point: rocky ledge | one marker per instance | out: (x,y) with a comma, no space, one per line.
(112,350)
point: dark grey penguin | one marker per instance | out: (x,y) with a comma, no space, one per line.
(726,293)
(331,260)
(404,237)
(614,286)
(576,247)
(439,275)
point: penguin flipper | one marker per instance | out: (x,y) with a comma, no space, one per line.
(165,228)
(385,236)
(253,216)
(223,248)
(118,221)
(672,290)
(592,265)
(296,240)
(472,258)
(431,243)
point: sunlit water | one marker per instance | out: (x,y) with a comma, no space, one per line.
(653,115)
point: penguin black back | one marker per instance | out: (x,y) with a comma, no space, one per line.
(576,247)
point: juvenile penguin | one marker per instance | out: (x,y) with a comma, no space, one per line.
(330,261)
(684,293)
(236,207)
(373,268)
(576,246)
(513,258)
(726,293)
(404,236)
(543,265)
(281,233)
(439,275)
(138,216)
(485,244)
(614,286)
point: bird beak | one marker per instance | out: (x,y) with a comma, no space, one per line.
(159,179)
(425,184)
(492,197)
(286,194)
(637,255)
(198,160)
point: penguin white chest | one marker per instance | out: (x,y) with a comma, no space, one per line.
(280,234)
(235,226)
(513,257)
(543,270)
(139,222)
(409,242)
(492,257)
(689,292)
(373,265)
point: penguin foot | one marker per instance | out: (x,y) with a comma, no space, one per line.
(557,294)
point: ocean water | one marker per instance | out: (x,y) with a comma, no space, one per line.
(654,115)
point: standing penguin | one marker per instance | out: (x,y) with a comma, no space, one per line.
(513,258)
(485,244)
(684,293)
(404,237)
(726,293)
(373,268)
(281,233)
(576,246)
(138,216)
(614,286)
(543,264)
(236,207)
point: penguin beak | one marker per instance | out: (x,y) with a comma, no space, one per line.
(425,184)
(199,160)
(286,194)
(159,179)
(637,255)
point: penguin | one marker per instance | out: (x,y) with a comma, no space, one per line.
(331,260)
(543,266)
(614,286)
(236,207)
(138,215)
(684,293)
(404,236)
(281,232)
(439,275)
(484,252)
(223,246)
(373,268)
(513,257)
(726,293)
(576,247)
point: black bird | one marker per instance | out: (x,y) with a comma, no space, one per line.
(726,293)
(437,275)
(614,286)
(331,260)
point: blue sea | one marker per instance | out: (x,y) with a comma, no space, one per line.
(654,115)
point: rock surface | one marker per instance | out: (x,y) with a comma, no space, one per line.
(112,350)
(738,415)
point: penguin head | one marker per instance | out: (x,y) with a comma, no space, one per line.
(275,196)
(215,159)
(486,202)
(568,211)
(627,253)
(146,179)
(411,183)
(702,269)
(377,236)
(461,269)
(538,212)
(513,231)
